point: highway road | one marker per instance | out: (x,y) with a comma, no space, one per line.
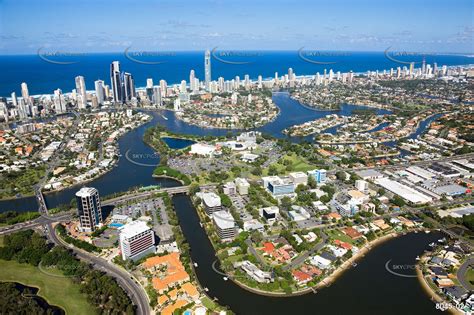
(125,280)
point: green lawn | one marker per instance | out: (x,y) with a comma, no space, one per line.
(208,303)
(336,234)
(470,275)
(1,240)
(56,290)
(298,164)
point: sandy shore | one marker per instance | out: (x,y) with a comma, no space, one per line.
(432,294)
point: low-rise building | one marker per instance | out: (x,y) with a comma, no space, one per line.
(298,178)
(242,186)
(270,214)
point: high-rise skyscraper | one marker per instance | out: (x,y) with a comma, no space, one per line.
(88,207)
(115,82)
(157,96)
(99,91)
(164,88)
(24,92)
(191,80)
(207,69)
(128,86)
(81,92)
(59,102)
(14,100)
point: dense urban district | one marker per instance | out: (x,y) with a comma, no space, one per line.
(285,215)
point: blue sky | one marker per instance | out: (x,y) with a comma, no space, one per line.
(356,25)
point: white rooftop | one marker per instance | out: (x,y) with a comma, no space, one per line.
(133,228)
(210,199)
(403,191)
(86,192)
(224,219)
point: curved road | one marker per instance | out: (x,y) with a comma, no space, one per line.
(134,290)
(461,274)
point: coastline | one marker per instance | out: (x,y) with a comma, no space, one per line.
(431,293)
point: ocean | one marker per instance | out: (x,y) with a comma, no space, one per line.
(46,72)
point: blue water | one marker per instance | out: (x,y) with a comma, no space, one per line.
(177,143)
(43,77)
(115,225)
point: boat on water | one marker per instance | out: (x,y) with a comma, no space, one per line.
(225,278)
(164,117)
(417,257)
(206,289)
(195,264)
(442,240)
(427,232)
(354,265)
(432,244)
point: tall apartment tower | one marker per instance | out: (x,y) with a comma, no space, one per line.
(207,70)
(88,208)
(116,82)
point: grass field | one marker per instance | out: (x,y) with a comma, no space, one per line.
(298,164)
(1,240)
(208,303)
(57,291)
(336,234)
(470,275)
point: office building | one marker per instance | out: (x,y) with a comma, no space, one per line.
(298,178)
(88,208)
(242,186)
(207,70)
(211,202)
(362,185)
(318,175)
(278,186)
(157,96)
(225,225)
(136,240)
(270,214)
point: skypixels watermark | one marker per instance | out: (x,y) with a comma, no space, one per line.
(401,270)
(147,57)
(320,57)
(235,57)
(142,159)
(406,57)
(59,57)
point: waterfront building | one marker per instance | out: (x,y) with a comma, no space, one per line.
(14,100)
(59,102)
(136,240)
(225,225)
(192,76)
(207,69)
(88,208)
(254,272)
(211,202)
